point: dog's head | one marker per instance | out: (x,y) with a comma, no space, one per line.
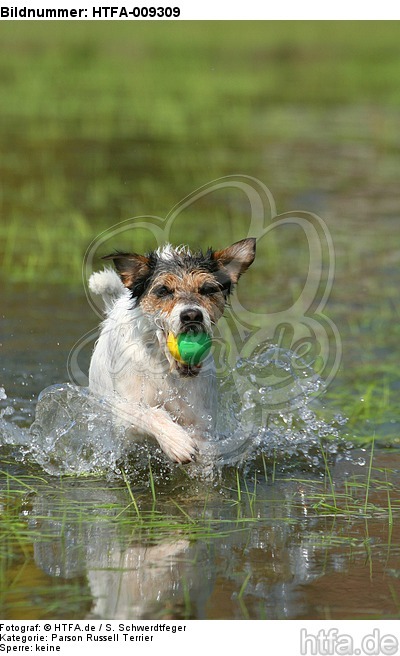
(183,291)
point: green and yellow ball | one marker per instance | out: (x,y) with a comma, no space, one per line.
(189,348)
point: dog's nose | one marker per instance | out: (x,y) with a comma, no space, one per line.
(191,315)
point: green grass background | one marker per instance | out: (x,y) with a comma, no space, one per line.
(102,121)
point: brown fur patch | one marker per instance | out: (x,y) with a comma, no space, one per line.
(237,258)
(184,288)
(130,266)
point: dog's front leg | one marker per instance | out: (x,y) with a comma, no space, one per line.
(174,440)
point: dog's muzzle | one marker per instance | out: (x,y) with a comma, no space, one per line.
(188,320)
(192,320)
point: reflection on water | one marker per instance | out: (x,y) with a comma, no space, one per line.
(276,554)
(128,576)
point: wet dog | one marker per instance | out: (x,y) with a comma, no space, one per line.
(170,290)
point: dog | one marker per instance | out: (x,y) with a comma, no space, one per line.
(146,297)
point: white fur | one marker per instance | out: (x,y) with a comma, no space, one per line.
(169,252)
(107,284)
(131,367)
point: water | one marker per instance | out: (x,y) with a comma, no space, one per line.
(74,432)
(314,542)
(94,543)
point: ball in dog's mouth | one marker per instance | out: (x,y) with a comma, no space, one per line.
(189,350)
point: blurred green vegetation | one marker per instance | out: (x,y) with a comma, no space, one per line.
(170,79)
(102,121)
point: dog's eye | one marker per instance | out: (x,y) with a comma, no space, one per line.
(207,289)
(162,291)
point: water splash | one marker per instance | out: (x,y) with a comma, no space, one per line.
(266,406)
(269,405)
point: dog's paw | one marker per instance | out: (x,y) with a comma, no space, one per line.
(179,445)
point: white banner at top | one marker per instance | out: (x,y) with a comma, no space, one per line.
(152,10)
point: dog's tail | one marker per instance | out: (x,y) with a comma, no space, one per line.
(107,284)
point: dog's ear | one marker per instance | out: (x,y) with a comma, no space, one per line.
(133,269)
(237,258)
